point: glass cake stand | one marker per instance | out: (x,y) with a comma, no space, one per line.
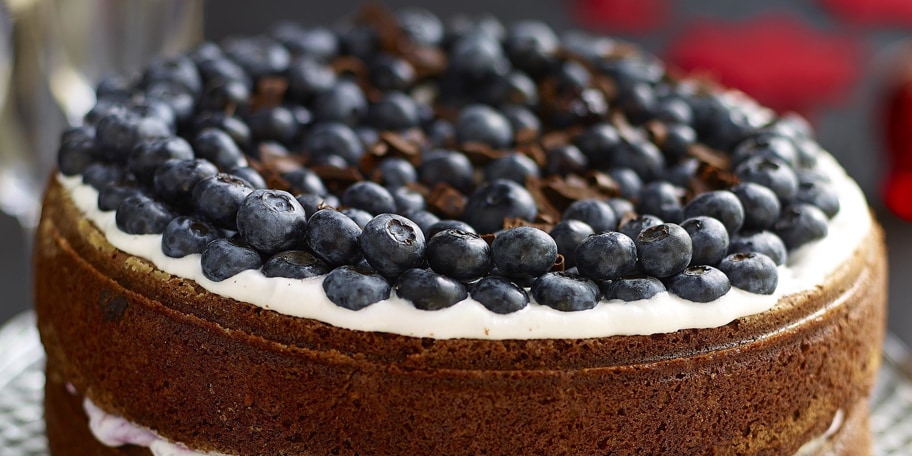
(22,384)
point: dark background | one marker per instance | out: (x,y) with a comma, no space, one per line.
(850,131)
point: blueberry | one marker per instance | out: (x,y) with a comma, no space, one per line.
(343,102)
(305,180)
(752,272)
(273,123)
(761,205)
(477,57)
(392,244)
(355,288)
(294,264)
(523,252)
(565,160)
(271,221)
(699,284)
(370,197)
(139,214)
(818,194)
(219,197)
(634,226)
(359,40)
(427,290)
(531,45)
(147,156)
(663,200)
(447,224)
(606,256)
(115,87)
(565,292)
(526,125)
(638,102)
(361,218)
(628,181)
(224,258)
(307,77)
(178,100)
(676,143)
(514,166)
(499,295)
(396,172)
(641,156)
(440,133)
(259,56)
(571,76)
(681,173)
(709,239)
(218,69)
(119,131)
(390,73)
(764,242)
(217,146)
(334,237)
(513,88)
(490,205)
(598,143)
(633,288)
(771,173)
(471,24)
(317,42)
(75,155)
(234,127)
(632,69)
(395,111)
(420,25)
(110,197)
(485,125)
(459,254)
(675,112)
(187,235)
(568,234)
(224,96)
(180,70)
(721,205)
(333,138)
(424,219)
(584,108)
(250,175)
(664,250)
(407,200)
(174,180)
(767,145)
(449,167)
(799,224)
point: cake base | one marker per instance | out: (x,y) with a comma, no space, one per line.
(221,375)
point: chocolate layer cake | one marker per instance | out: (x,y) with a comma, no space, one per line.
(198,292)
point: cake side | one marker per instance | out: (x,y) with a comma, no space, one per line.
(290,385)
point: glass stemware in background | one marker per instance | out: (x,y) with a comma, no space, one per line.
(52,52)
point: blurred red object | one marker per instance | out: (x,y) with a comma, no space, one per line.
(622,16)
(780,60)
(898,189)
(871,12)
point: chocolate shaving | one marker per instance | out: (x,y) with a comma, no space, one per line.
(712,157)
(545,207)
(555,139)
(562,192)
(481,153)
(355,67)
(400,146)
(269,92)
(606,85)
(337,179)
(559,264)
(488,237)
(447,201)
(526,135)
(428,61)
(709,178)
(515,222)
(603,184)
(535,152)
(657,132)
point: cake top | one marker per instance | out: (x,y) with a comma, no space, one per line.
(441,163)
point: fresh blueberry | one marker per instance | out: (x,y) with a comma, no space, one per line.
(753,272)
(260,56)
(395,111)
(709,239)
(273,123)
(598,143)
(663,200)
(179,69)
(420,25)
(224,258)
(472,24)
(395,172)
(355,288)
(110,197)
(115,87)
(139,214)
(565,160)
(634,226)
(485,125)
(721,205)
(764,242)
(531,45)
(187,235)
(499,295)
(343,102)
(568,234)
(513,88)
(699,284)
(219,197)
(523,252)
(761,205)
(307,77)
(633,288)
(799,224)
(448,224)
(514,166)
(681,173)
(584,108)
(305,180)
(675,112)
(75,155)
(178,100)
(628,181)
(676,142)
(526,125)
(147,156)
(459,254)
(218,69)
(359,40)
(767,145)
(317,42)
(361,218)
(271,221)
(427,290)
(821,195)
(440,133)
(224,96)
(391,73)
(121,130)
(252,176)
(606,256)
(638,102)
(632,69)
(294,264)
(392,244)
(490,205)
(477,57)
(334,237)
(235,127)
(664,250)
(449,167)
(407,200)
(369,196)
(217,146)
(424,219)
(771,173)
(174,180)
(565,292)
(571,76)
(641,156)
(333,138)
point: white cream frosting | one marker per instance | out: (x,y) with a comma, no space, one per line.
(806,268)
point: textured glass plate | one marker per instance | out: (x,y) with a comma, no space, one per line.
(22,384)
